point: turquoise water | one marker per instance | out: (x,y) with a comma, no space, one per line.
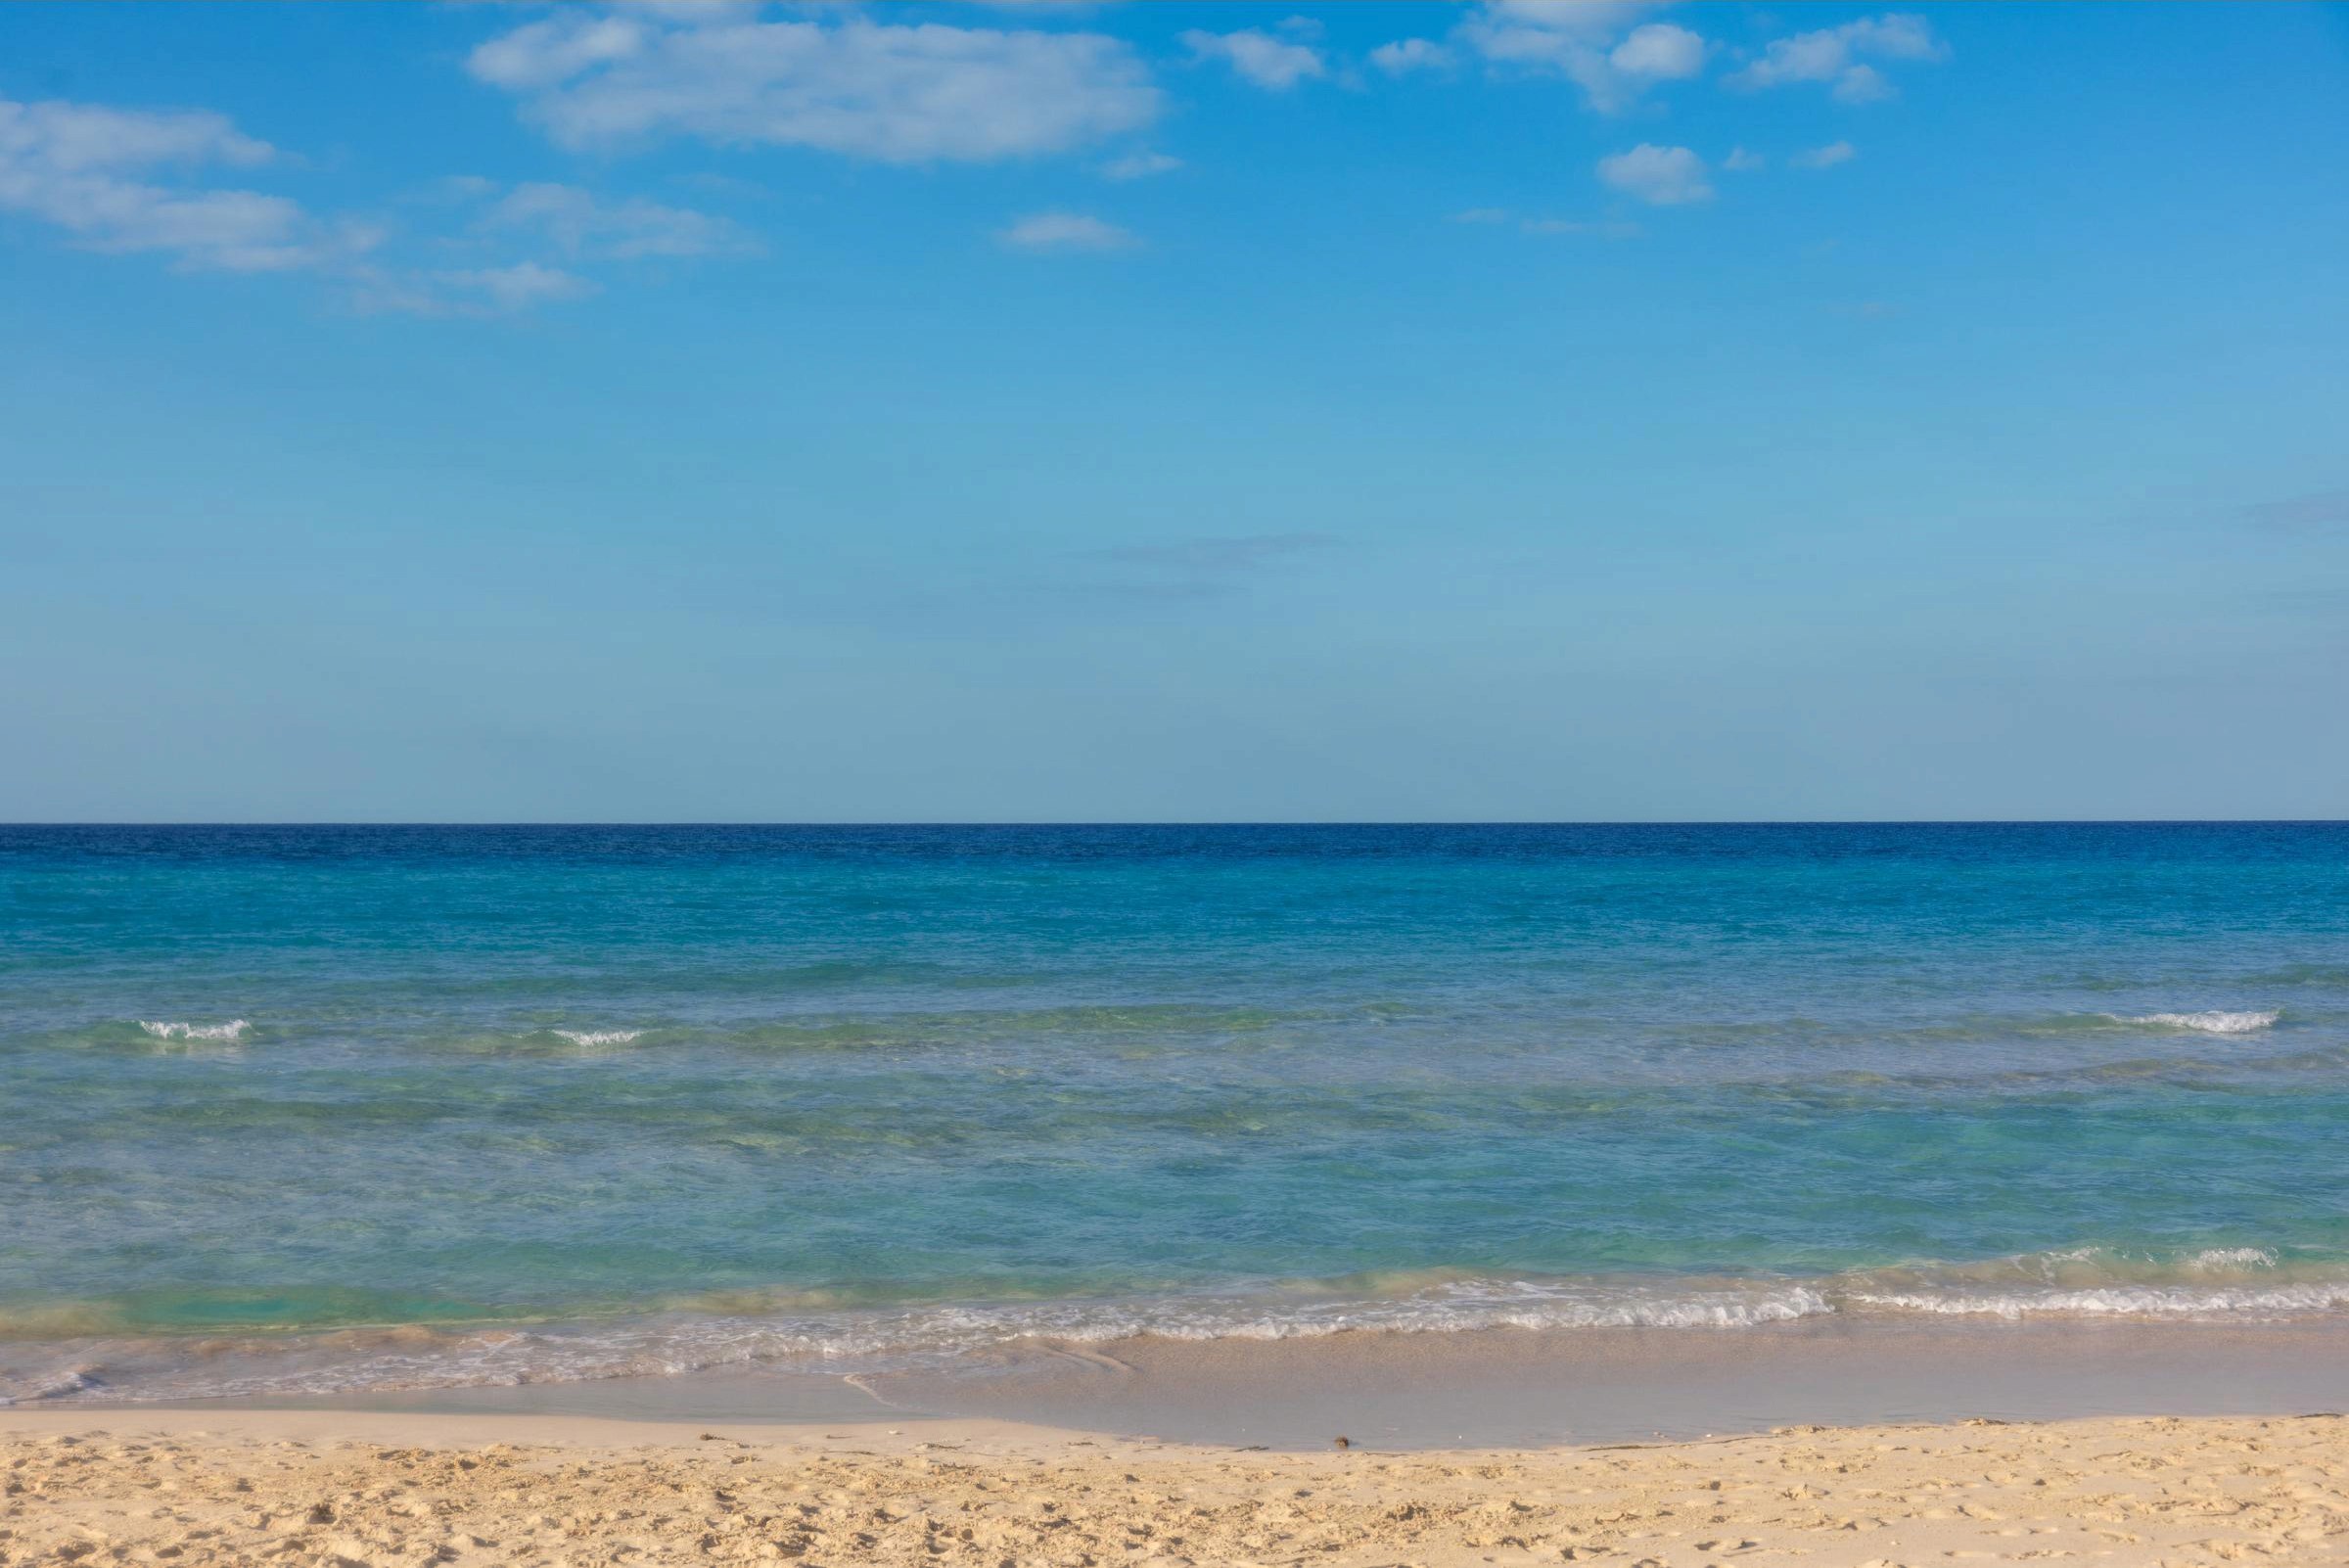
(307,1108)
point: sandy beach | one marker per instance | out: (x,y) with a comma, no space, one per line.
(1052,784)
(347,1489)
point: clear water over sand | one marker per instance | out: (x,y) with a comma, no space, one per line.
(299,1110)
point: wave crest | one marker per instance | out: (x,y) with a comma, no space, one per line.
(234,1029)
(59,1383)
(2119,1301)
(2210,1023)
(852,1342)
(598,1037)
(842,1333)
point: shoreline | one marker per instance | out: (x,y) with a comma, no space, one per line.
(1467,1389)
(350,1488)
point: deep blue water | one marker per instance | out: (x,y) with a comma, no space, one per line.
(595,1099)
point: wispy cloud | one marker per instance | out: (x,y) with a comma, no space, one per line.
(465,292)
(1598,228)
(1407,55)
(1661,176)
(1277,64)
(531,238)
(1843,57)
(578,223)
(897,93)
(1826,157)
(136,180)
(518,287)
(1066,231)
(1140,166)
(2324,509)
(119,179)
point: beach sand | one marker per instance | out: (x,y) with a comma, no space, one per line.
(345,1487)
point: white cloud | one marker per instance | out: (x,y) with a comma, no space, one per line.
(1740,161)
(1588,18)
(1482,214)
(465,292)
(1258,56)
(1407,55)
(93,172)
(696,10)
(581,224)
(1862,84)
(1140,166)
(542,53)
(1826,157)
(518,287)
(462,187)
(76,138)
(904,94)
(1659,51)
(1840,56)
(101,173)
(1585,42)
(1066,231)
(1662,176)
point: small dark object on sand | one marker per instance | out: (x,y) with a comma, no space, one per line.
(1342,1443)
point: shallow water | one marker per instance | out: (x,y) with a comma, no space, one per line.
(301,1109)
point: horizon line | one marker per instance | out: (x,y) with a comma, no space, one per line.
(1211,822)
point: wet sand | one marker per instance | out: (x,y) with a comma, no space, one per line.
(1508,1388)
(1491,1448)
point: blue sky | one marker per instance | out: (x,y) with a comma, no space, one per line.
(1048,411)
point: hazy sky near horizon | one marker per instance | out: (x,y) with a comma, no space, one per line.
(1047,411)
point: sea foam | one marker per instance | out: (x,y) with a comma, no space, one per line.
(60,1383)
(598,1037)
(799,1333)
(2230,1260)
(2213,1284)
(234,1029)
(2121,1301)
(869,1340)
(2210,1023)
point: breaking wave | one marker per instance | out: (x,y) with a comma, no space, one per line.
(53,1383)
(597,1036)
(2131,1301)
(845,1343)
(2210,1023)
(234,1029)
(815,1332)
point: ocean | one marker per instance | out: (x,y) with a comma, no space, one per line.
(311,1110)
